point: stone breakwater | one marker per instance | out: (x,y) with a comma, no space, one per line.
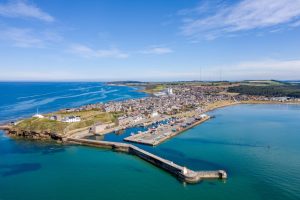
(182,173)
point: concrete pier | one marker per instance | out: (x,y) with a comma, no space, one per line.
(182,173)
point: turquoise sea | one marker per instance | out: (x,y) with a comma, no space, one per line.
(258,145)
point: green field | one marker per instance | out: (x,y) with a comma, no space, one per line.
(88,118)
(152,88)
(41,125)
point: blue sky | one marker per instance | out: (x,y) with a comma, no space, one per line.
(149,40)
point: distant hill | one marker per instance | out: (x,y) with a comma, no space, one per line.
(125,82)
(262,82)
(292,81)
(279,90)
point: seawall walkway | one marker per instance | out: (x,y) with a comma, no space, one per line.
(182,173)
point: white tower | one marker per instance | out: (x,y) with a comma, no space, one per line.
(170,91)
(184,170)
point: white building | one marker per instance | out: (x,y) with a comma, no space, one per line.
(71,119)
(126,120)
(170,91)
(154,114)
(203,116)
(137,119)
(38,116)
(158,94)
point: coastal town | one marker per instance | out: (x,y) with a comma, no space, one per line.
(165,112)
(150,99)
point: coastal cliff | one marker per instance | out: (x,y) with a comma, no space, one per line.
(34,135)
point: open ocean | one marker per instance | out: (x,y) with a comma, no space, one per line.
(258,145)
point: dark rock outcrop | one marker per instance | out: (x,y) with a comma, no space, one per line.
(34,135)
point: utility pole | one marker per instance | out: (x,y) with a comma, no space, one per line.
(200,74)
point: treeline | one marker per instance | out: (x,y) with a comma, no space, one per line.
(269,91)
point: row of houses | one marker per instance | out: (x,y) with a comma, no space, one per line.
(67,119)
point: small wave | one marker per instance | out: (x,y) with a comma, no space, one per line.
(82,94)
(25,105)
(88,101)
(85,88)
(37,95)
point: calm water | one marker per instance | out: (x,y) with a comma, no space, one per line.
(257,144)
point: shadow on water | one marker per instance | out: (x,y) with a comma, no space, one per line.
(181,156)
(14,169)
(53,149)
(212,183)
(28,147)
(135,169)
(205,141)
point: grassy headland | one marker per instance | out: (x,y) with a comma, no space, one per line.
(88,118)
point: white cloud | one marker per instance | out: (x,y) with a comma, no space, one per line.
(243,16)
(20,37)
(254,70)
(157,50)
(263,69)
(25,37)
(23,9)
(295,24)
(88,52)
(247,70)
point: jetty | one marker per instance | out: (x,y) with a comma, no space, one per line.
(182,173)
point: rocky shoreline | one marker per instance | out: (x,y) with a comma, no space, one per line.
(33,135)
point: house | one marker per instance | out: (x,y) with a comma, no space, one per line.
(71,119)
(55,117)
(137,119)
(123,120)
(128,120)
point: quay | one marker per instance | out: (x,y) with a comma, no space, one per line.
(182,173)
(158,137)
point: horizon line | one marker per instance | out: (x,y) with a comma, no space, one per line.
(105,81)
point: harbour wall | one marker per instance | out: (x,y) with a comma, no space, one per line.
(182,173)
